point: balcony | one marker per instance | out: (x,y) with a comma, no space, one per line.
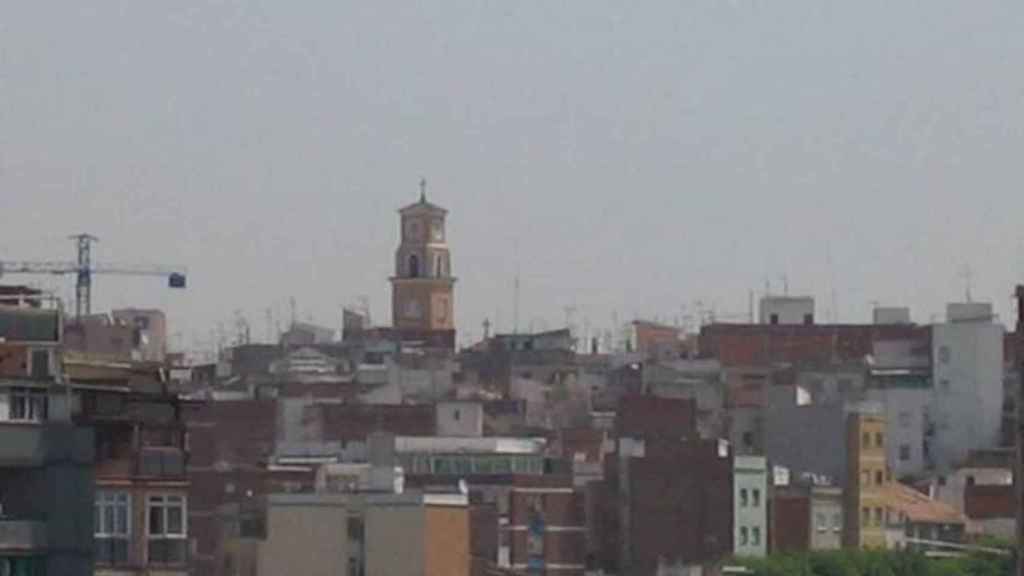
(35,444)
(148,462)
(22,535)
(168,552)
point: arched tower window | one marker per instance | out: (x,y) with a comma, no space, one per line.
(414,266)
(438,266)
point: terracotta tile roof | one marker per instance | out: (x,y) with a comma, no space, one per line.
(919,508)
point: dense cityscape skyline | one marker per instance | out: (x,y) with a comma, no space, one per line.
(626,161)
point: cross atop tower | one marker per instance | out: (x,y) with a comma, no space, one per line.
(423,190)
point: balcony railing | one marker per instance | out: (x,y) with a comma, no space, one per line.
(168,551)
(22,535)
(145,463)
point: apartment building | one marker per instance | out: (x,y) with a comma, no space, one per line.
(867,478)
(141,498)
(750,500)
(46,461)
(411,534)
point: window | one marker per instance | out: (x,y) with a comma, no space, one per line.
(808,319)
(414,266)
(878,516)
(744,536)
(755,536)
(456,415)
(166,523)
(837,522)
(757,497)
(438,269)
(41,364)
(879,477)
(22,565)
(865,440)
(865,516)
(865,478)
(822,522)
(743,498)
(879,441)
(904,452)
(748,439)
(444,466)
(774,319)
(28,405)
(355,529)
(905,419)
(112,527)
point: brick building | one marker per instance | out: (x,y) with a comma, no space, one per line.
(667,497)
(547,530)
(142,486)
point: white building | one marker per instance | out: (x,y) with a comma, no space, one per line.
(750,505)
(786,310)
(900,378)
(906,395)
(967,375)
(890,315)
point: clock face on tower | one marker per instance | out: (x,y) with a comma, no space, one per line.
(437,231)
(413,310)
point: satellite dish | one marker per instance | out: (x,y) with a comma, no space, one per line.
(463,488)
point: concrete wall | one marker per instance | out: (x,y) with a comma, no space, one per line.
(905,410)
(55,486)
(890,315)
(460,419)
(951,491)
(309,538)
(789,310)
(447,541)
(395,544)
(827,505)
(807,439)
(967,378)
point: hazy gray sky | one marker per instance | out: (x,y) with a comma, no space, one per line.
(631,156)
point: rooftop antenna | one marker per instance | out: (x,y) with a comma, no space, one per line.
(423,190)
(364,307)
(968,275)
(750,307)
(832,285)
(291,305)
(515,308)
(487,329)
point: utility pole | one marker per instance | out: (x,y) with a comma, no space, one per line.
(1018,479)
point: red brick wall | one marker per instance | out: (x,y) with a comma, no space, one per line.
(680,507)
(790,523)
(756,344)
(13,361)
(987,502)
(644,416)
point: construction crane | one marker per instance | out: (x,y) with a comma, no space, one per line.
(83,269)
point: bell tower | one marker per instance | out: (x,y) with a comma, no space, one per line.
(422,286)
